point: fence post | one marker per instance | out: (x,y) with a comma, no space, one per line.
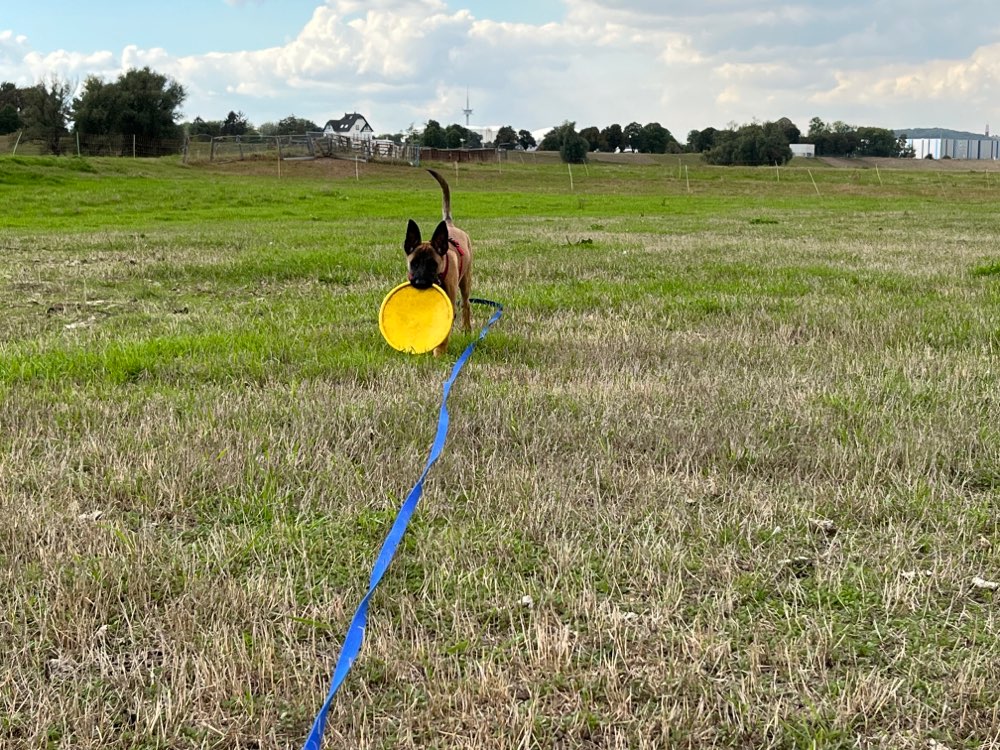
(133,145)
(78,143)
(211,152)
(19,134)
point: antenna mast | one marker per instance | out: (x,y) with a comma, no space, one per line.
(467,111)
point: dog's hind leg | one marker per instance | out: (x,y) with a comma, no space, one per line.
(465,284)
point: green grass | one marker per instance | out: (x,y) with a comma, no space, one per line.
(736,440)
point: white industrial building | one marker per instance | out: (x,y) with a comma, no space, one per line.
(808,150)
(955,148)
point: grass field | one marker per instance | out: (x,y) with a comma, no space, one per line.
(727,473)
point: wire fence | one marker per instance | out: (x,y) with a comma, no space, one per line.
(80,144)
(204,148)
(230,148)
(465,155)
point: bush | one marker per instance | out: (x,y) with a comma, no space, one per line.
(572,147)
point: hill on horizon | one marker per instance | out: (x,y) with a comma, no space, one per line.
(937,133)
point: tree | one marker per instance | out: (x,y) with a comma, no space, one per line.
(631,135)
(11,102)
(453,136)
(46,111)
(151,102)
(95,109)
(903,149)
(593,138)
(700,141)
(788,128)
(751,145)
(877,142)
(526,139)
(236,123)
(10,94)
(563,138)
(837,139)
(612,136)
(506,138)
(202,127)
(140,103)
(552,140)
(574,149)
(10,120)
(293,125)
(817,127)
(433,135)
(458,136)
(654,139)
(472,138)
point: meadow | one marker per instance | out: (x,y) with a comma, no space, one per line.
(726,474)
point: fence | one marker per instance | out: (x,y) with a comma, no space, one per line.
(230,148)
(79,144)
(463,155)
(213,149)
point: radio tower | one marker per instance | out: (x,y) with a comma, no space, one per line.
(467,111)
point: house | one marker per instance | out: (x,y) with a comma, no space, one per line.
(808,150)
(351,125)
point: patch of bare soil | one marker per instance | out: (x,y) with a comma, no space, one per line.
(324,168)
(950,165)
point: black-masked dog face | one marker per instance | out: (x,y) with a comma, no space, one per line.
(425,260)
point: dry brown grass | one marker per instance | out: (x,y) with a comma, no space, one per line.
(712,482)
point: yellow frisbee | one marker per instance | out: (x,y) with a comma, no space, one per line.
(415,320)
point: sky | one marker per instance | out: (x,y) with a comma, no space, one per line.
(533,64)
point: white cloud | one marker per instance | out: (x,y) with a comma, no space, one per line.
(975,79)
(682,64)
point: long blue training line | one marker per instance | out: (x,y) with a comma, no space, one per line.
(356,631)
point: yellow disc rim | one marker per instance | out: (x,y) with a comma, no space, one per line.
(416,320)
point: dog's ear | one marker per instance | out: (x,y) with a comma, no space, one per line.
(412,237)
(439,241)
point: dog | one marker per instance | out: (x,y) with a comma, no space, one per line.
(445,260)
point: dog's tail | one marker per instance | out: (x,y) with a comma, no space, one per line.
(446,200)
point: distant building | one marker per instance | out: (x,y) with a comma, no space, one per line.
(807,150)
(352,125)
(955,148)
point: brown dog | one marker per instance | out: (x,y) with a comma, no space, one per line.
(446,260)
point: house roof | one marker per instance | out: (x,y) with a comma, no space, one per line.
(346,123)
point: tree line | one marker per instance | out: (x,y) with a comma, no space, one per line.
(140,103)
(753,144)
(146,104)
(236,123)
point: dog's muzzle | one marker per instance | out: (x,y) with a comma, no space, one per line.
(422,282)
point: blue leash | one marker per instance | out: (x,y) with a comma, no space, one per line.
(356,631)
